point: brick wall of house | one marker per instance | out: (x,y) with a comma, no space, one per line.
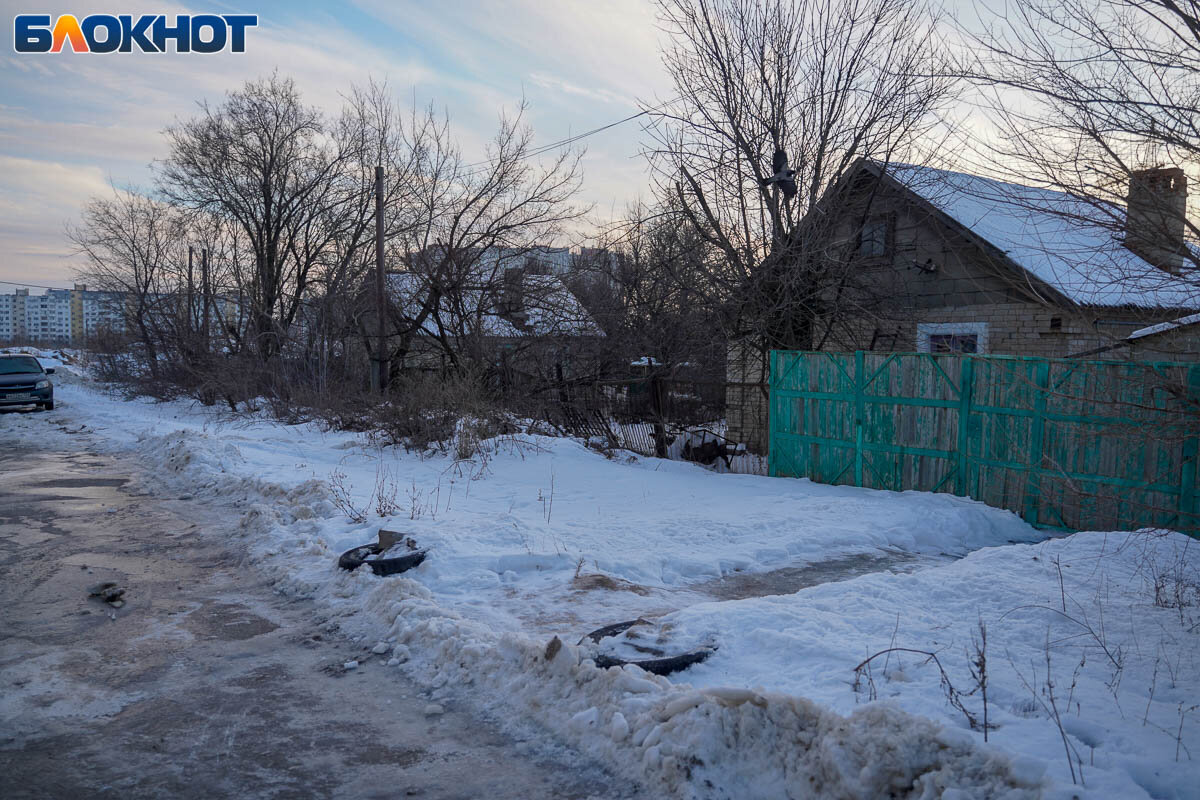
(1014,328)
(1180,344)
(746,395)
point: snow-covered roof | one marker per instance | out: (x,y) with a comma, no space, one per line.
(1064,242)
(1163,327)
(547,307)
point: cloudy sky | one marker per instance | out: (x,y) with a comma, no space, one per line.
(71,125)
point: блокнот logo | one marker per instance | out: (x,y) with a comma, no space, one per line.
(122,33)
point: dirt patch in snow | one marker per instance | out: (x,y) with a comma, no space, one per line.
(586,583)
(789,580)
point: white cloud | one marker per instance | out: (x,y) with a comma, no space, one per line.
(579,65)
(37,199)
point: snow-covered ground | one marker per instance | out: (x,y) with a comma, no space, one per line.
(541,538)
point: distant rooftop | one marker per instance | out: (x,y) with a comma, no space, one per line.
(547,307)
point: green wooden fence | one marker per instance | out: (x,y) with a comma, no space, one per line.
(1075,445)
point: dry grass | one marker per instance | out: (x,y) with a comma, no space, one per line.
(596,581)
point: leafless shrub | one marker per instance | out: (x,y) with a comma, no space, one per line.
(1115,654)
(1175,580)
(386,504)
(977,663)
(339,492)
(1043,695)
(953,695)
(547,500)
(435,411)
(1183,712)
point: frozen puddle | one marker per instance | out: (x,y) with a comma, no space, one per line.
(788,580)
(593,601)
(655,635)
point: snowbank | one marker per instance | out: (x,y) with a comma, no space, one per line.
(510,532)
(1123,668)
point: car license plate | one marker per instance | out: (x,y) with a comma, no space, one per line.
(19,396)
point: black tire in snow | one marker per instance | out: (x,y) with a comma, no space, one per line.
(613,630)
(657,666)
(355,557)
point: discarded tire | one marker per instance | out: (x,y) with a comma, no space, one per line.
(656,666)
(613,630)
(355,557)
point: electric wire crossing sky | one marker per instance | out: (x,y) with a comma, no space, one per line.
(121,33)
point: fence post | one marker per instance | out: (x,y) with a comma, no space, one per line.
(1191,452)
(966,387)
(858,417)
(773,359)
(1033,482)
(657,389)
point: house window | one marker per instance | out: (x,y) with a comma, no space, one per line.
(954,343)
(875,238)
(952,337)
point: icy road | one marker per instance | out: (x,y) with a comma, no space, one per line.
(205,683)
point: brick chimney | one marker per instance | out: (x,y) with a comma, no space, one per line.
(1154,219)
(513,300)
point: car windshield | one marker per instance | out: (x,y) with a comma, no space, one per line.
(20,364)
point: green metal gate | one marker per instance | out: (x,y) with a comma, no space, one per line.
(1076,445)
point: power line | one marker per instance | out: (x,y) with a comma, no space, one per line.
(537,151)
(34,285)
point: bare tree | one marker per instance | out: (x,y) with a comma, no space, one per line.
(472,223)
(825,81)
(371,130)
(260,236)
(131,246)
(263,160)
(1092,98)
(645,284)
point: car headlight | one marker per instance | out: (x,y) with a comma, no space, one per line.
(42,385)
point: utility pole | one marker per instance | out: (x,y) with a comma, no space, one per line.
(381,359)
(191,309)
(206,290)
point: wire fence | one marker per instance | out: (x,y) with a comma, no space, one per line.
(656,417)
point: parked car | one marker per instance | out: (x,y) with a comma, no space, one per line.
(23,382)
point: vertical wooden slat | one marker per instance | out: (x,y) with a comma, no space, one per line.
(1033,485)
(966,385)
(858,418)
(1188,490)
(774,445)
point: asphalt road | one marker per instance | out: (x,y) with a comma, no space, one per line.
(206,684)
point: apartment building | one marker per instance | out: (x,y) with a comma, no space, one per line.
(48,317)
(12,315)
(60,316)
(94,313)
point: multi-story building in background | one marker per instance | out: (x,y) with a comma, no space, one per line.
(60,316)
(95,313)
(12,315)
(48,317)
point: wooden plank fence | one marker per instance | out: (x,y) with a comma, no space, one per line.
(1074,445)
